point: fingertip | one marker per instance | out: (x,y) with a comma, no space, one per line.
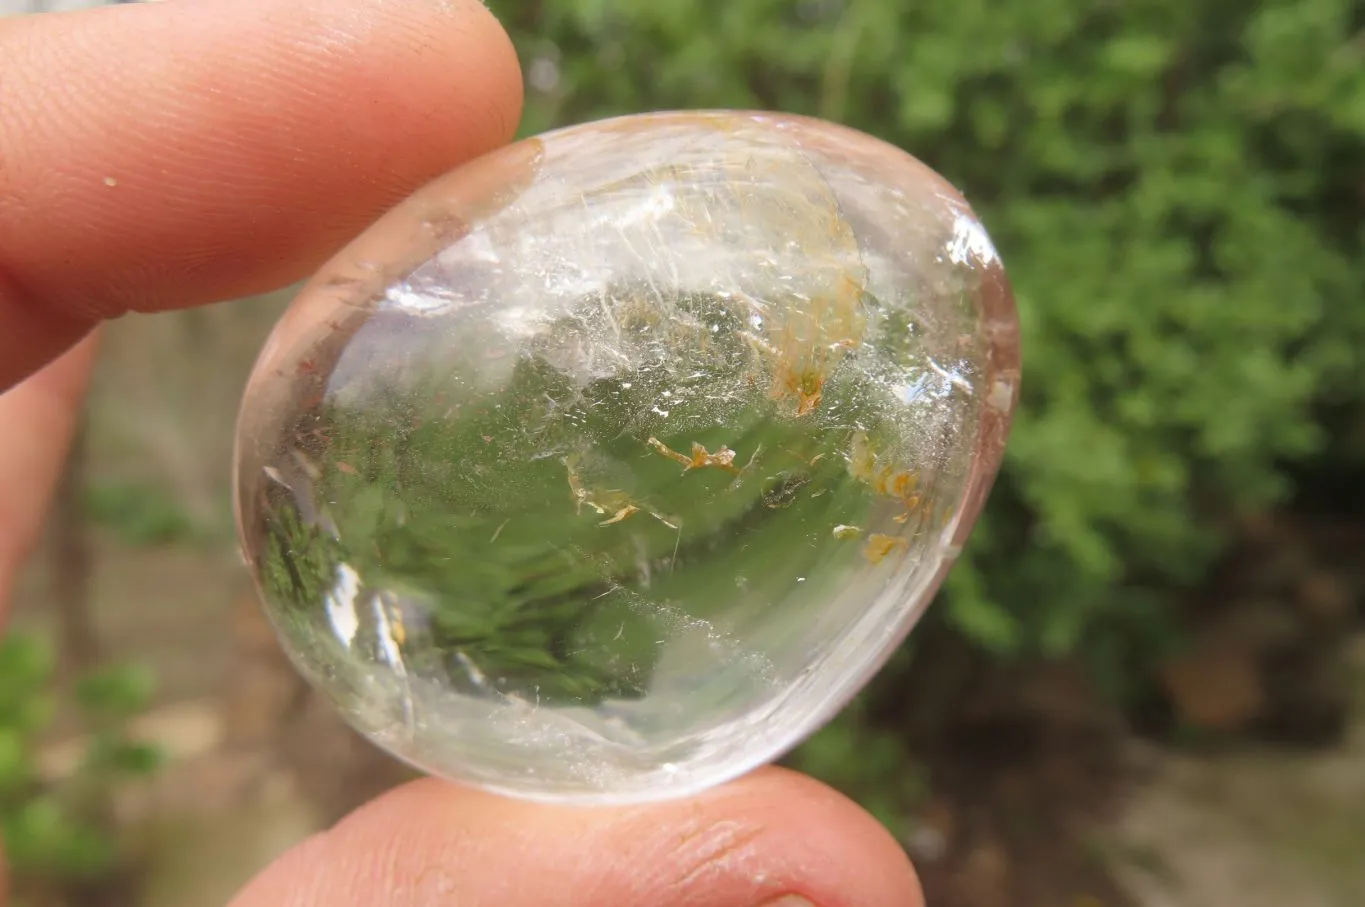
(174,154)
(772,834)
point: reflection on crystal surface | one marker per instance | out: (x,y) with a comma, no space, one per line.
(608,466)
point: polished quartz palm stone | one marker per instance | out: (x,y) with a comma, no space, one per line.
(609,466)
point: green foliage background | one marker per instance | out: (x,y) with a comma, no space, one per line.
(1176,189)
(58,835)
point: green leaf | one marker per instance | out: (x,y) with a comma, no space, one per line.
(135,758)
(16,769)
(117,692)
(26,664)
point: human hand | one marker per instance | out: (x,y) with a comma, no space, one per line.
(170,155)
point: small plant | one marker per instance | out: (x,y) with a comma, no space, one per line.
(138,515)
(58,832)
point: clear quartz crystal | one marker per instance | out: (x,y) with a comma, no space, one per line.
(609,466)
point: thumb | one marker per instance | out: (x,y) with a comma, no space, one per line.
(773,838)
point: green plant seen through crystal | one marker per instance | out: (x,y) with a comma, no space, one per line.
(594,495)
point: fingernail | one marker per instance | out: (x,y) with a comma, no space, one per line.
(787,900)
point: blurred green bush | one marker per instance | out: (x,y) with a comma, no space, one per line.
(138,515)
(1176,189)
(59,833)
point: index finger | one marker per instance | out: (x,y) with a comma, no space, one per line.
(174,154)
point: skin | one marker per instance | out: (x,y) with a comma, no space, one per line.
(170,155)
